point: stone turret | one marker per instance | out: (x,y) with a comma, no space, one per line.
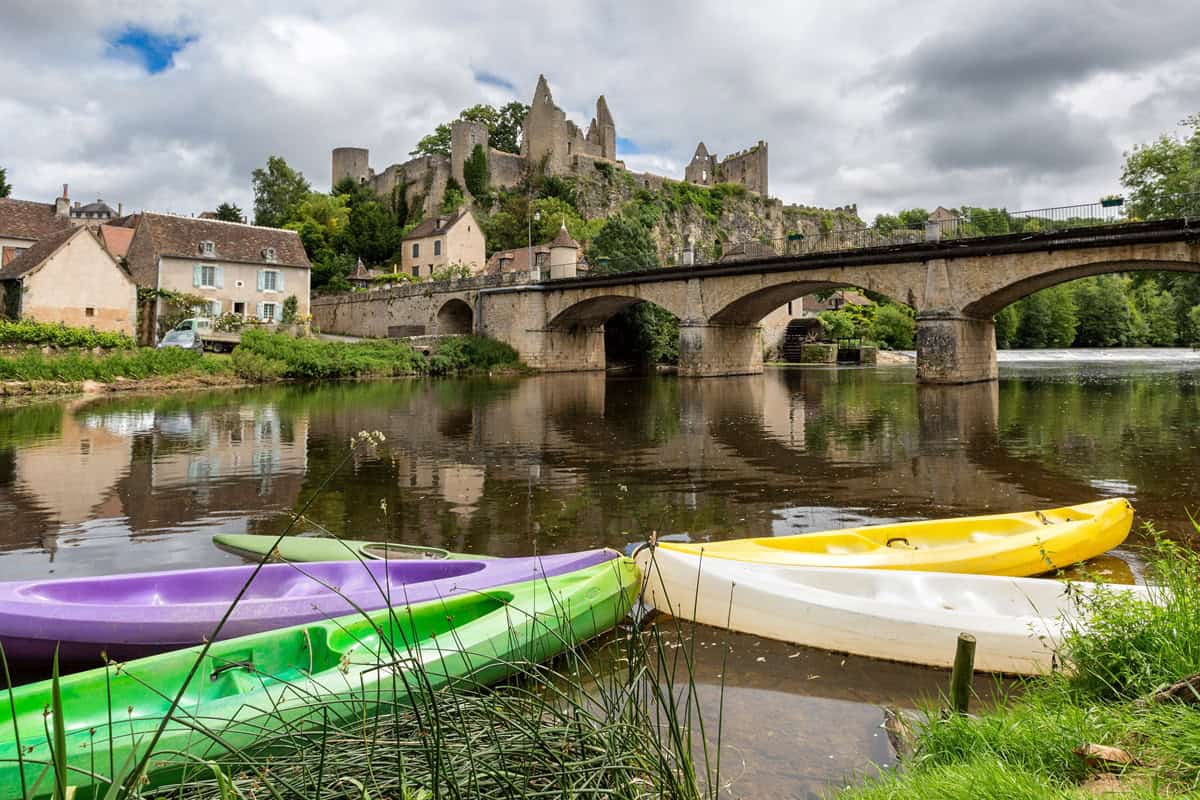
(606,130)
(350,162)
(464,136)
(564,255)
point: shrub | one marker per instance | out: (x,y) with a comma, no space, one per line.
(290,306)
(71,367)
(894,327)
(463,353)
(252,366)
(453,271)
(28,331)
(837,324)
(315,359)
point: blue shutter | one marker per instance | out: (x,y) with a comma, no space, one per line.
(220,279)
(260,283)
(279,279)
(259,311)
(196,275)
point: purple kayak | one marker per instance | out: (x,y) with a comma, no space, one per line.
(128,616)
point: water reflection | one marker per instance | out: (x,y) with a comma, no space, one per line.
(555,463)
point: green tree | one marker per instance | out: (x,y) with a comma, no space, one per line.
(1159,174)
(837,324)
(1046,319)
(1157,311)
(452,198)
(1103,308)
(5,186)
(1007,322)
(908,218)
(475,172)
(278,189)
(1193,329)
(622,245)
(894,326)
(503,124)
(229,213)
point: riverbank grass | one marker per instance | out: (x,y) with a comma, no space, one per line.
(1024,746)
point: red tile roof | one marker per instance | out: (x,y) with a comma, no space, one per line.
(33,258)
(116,239)
(436,225)
(23,219)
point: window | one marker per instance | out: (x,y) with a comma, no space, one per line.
(214,308)
(239,309)
(437,247)
(90,311)
(416,269)
(208,277)
(416,250)
(268,312)
(270,280)
(207,248)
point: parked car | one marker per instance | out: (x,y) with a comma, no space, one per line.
(198,333)
(183,335)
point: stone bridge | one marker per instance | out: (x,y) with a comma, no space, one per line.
(954,287)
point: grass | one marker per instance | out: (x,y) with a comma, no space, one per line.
(1022,747)
(75,366)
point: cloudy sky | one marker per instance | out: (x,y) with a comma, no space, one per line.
(169,105)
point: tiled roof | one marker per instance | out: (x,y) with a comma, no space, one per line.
(436,225)
(98,207)
(564,239)
(116,239)
(232,241)
(30,259)
(22,219)
(517,259)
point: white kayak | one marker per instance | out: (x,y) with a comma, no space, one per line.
(914,617)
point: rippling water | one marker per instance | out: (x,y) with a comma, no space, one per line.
(563,462)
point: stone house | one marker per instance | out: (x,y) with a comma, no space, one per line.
(241,269)
(70,277)
(438,241)
(561,258)
(23,223)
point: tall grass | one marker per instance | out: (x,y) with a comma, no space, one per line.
(1118,651)
(73,367)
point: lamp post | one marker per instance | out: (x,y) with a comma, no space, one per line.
(535,217)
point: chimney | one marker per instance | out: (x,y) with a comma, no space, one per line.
(62,205)
(120,209)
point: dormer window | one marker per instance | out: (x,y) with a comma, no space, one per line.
(268,254)
(207,248)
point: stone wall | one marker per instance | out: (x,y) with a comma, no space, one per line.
(748,167)
(506,170)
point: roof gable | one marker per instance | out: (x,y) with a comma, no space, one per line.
(437,226)
(32,259)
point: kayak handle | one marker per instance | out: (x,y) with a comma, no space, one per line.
(899,540)
(216,673)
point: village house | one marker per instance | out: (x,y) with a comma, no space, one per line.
(561,258)
(70,277)
(441,240)
(240,269)
(23,223)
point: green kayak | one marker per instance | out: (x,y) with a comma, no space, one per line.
(316,548)
(300,677)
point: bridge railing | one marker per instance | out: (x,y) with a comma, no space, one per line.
(969,223)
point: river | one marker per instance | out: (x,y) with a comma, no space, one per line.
(562,462)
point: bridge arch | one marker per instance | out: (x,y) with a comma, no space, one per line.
(998,298)
(455,317)
(752,307)
(593,312)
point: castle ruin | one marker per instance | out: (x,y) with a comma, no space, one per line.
(549,142)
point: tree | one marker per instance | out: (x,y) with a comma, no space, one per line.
(278,189)
(1046,319)
(622,245)
(894,326)
(230,213)
(1157,311)
(1103,308)
(1007,322)
(475,172)
(908,218)
(836,324)
(1160,174)
(503,124)
(5,186)
(1194,326)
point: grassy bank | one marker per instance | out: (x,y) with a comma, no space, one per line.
(38,358)
(1024,747)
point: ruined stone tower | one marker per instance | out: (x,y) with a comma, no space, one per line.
(747,167)
(464,136)
(351,162)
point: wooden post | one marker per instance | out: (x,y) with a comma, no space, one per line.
(964,669)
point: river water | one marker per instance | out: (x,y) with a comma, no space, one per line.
(563,462)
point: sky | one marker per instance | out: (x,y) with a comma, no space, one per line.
(169,105)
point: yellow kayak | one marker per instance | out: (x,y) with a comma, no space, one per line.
(1017,545)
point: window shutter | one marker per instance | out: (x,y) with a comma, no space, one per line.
(196,275)
(220,280)
(279,280)
(259,312)
(260,282)
(216,304)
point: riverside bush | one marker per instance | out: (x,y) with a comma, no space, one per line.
(27,331)
(463,353)
(145,363)
(317,359)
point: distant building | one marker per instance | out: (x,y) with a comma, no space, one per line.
(241,269)
(441,240)
(545,258)
(70,277)
(96,213)
(23,222)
